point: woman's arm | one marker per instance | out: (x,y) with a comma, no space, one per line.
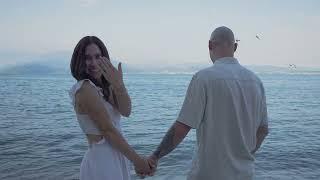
(91,102)
(122,100)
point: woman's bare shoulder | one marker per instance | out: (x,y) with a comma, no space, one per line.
(87,93)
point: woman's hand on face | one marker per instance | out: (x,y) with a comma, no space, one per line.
(113,75)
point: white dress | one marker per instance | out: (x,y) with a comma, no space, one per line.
(101,161)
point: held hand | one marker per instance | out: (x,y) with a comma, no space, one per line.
(142,167)
(113,75)
(153,163)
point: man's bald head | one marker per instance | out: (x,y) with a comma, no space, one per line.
(222,43)
(222,35)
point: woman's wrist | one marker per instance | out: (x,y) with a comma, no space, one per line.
(136,159)
(120,88)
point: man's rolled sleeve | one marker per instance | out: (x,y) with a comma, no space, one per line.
(193,108)
(264,111)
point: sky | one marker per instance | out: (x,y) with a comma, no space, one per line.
(162,32)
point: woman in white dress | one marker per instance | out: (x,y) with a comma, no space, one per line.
(100,98)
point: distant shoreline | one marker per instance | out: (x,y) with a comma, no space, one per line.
(63,69)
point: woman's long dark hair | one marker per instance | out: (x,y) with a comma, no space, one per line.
(78,65)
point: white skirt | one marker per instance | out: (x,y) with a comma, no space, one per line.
(103,162)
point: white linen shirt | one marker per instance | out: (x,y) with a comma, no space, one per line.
(226,104)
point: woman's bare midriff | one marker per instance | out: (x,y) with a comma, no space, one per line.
(94,138)
(91,137)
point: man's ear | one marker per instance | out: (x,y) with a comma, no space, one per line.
(235,47)
(210,45)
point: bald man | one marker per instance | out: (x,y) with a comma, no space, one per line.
(226,104)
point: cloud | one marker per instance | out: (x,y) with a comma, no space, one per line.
(84,3)
(88,2)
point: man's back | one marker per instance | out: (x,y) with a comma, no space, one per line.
(228,106)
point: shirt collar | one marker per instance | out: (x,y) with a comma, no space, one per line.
(226,60)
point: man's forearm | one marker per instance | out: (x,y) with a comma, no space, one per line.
(172,139)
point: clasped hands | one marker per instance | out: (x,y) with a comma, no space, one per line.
(146,166)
